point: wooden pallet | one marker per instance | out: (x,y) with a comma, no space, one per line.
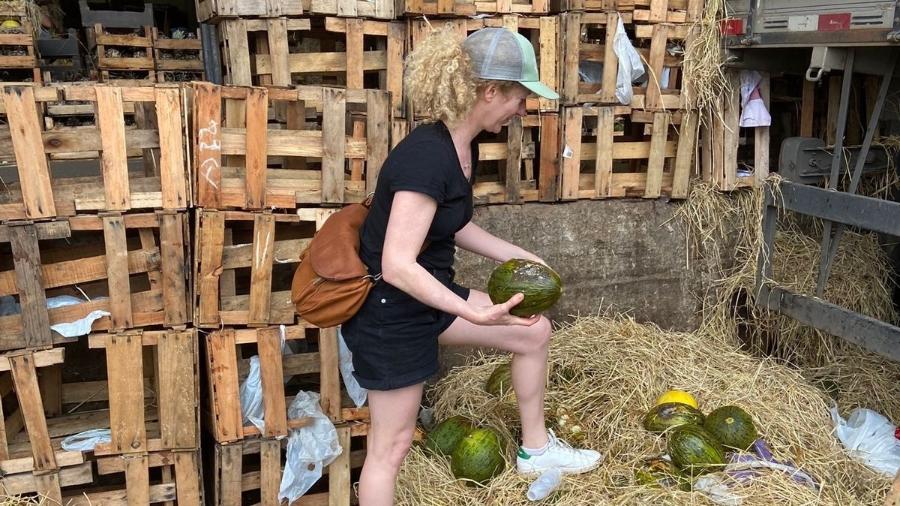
(41,408)
(543,32)
(217,10)
(458,8)
(645,11)
(133,70)
(244,264)
(116,183)
(651,40)
(131,266)
(313,367)
(20,40)
(329,159)
(601,159)
(175,58)
(249,471)
(354,53)
(720,137)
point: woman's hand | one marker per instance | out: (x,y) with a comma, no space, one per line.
(498,314)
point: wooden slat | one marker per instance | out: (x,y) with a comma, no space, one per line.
(211,239)
(378,118)
(117,271)
(610,61)
(24,375)
(124,366)
(208,144)
(272,379)
(329,378)
(171,148)
(761,136)
(114,159)
(48,486)
(396,51)
(571,152)
(29,282)
(223,375)
(228,475)
(237,51)
(731,133)
(34,172)
(339,472)
(270,470)
(604,156)
(177,397)
(277,32)
(137,480)
(514,134)
(548,184)
(334,108)
(45,230)
(187,478)
(261,269)
(26,483)
(684,160)
(256,114)
(43,358)
(656,64)
(657,159)
(173,265)
(354,49)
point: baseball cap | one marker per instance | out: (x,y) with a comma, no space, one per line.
(504,55)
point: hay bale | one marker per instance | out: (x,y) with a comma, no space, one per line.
(620,367)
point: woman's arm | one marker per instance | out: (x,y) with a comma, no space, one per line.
(411,216)
(478,240)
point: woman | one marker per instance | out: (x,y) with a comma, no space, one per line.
(421,212)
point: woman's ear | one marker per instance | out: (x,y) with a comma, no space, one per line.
(489,92)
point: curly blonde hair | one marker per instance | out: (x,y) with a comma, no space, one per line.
(439,79)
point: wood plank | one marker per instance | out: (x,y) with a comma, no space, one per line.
(272,380)
(339,472)
(329,377)
(684,160)
(334,109)
(31,163)
(656,65)
(158,493)
(378,131)
(270,470)
(29,284)
(604,157)
(24,375)
(548,184)
(58,229)
(513,167)
(277,32)
(610,62)
(137,480)
(354,49)
(27,483)
(114,157)
(26,464)
(396,50)
(172,264)
(187,478)
(228,473)
(261,269)
(43,358)
(256,114)
(171,148)
(223,384)
(731,133)
(834,102)
(118,280)
(208,144)
(124,367)
(177,397)
(237,52)
(571,34)
(656,163)
(211,238)
(761,136)
(571,152)
(50,383)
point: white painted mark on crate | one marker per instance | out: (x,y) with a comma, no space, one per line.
(208,139)
(264,251)
(567,152)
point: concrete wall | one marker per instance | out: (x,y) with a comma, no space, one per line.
(629,255)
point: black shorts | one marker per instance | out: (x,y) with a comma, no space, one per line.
(394,337)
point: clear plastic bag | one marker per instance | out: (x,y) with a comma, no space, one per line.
(309,448)
(357,393)
(544,485)
(630,66)
(252,396)
(869,436)
(86,441)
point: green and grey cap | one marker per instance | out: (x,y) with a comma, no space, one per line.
(503,55)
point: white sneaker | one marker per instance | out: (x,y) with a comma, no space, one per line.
(558,455)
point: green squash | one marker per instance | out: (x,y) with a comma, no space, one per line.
(658,472)
(694,450)
(540,285)
(444,438)
(478,457)
(671,414)
(732,426)
(499,384)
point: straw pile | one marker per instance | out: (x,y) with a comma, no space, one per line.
(609,371)
(704,59)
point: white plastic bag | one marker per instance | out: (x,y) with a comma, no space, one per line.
(309,448)
(86,441)
(754,113)
(251,396)
(544,485)
(357,393)
(869,436)
(630,65)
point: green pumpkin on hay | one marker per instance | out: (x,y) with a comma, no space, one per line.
(499,384)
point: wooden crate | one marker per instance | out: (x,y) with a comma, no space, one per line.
(157,477)
(132,266)
(543,32)
(354,53)
(244,264)
(136,67)
(474,7)
(178,59)
(217,10)
(143,387)
(249,471)
(60,58)
(110,182)
(647,11)
(18,58)
(587,39)
(720,142)
(313,367)
(330,158)
(608,152)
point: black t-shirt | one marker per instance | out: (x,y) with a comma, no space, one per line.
(425,162)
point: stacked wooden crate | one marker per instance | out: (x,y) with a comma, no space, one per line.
(107,236)
(18,55)
(271,164)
